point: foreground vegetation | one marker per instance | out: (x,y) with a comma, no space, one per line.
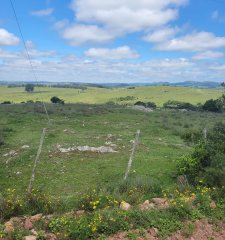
(93,182)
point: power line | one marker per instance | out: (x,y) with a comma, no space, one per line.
(27,53)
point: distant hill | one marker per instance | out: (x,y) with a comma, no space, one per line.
(194,84)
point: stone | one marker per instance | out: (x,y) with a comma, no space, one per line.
(18,221)
(28,224)
(212,205)
(50,236)
(125,206)
(31,237)
(9,228)
(12,153)
(146,205)
(34,232)
(25,146)
(164,205)
(159,201)
(36,217)
(80,213)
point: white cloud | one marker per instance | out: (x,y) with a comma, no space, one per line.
(82,34)
(123,52)
(217,16)
(37,53)
(116,18)
(43,12)
(198,41)
(73,68)
(209,55)
(161,35)
(7,38)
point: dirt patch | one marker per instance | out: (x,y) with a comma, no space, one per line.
(202,230)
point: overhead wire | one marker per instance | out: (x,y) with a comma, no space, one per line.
(27,54)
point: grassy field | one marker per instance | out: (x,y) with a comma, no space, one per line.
(157,94)
(66,174)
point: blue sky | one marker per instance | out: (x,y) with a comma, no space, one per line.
(114,40)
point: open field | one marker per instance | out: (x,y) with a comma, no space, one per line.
(65,174)
(157,94)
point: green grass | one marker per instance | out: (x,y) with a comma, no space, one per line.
(157,94)
(65,175)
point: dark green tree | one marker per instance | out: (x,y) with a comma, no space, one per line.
(29,87)
(57,100)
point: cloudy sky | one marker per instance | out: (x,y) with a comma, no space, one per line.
(113,40)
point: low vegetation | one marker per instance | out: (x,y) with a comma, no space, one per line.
(177,174)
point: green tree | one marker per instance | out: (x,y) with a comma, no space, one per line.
(57,100)
(29,87)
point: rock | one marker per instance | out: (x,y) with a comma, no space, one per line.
(80,213)
(34,232)
(50,236)
(18,173)
(28,224)
(31,237)
(109,136)
(212,205)
(159,201)
(9,228)
(156,231)
(12,153)
(146,205)
(17,221)
(125,206)
(25,146)
(164,205)
(36,217)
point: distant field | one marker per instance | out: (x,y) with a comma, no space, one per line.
(157,94)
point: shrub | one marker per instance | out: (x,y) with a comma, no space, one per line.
(179,105)
(94,201)
(57,100)
(192,136)
(127,98)
(6,102)
(140,103)
(29,87)
(207,161)
(151,105)
(147,105)
(2,141)
(37,201)
(10,204)
(213,105)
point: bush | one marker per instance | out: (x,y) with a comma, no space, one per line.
(6,102)
(213,105)
(57,100)
(2,141)
(147,105)
(29,87)
(94,201)
(151,105)
(179,105)
(127,98)
(207,162)
(192,136)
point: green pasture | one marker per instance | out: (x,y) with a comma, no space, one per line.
(66,174)
(157,94)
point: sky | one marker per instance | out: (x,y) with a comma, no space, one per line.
(113,41)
